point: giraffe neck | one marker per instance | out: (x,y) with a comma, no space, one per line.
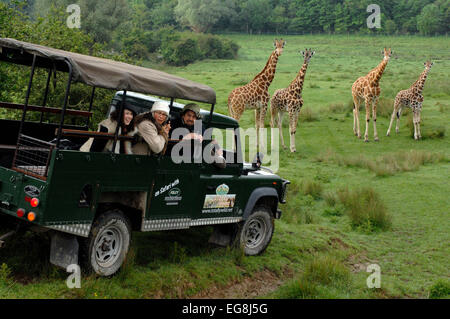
(420,83)
(297,84)
(377,73)
(266,76)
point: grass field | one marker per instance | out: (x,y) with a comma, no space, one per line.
(350,204)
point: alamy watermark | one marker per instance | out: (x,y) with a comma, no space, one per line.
(231,145)
(374,20)
(74,19)
(74,280)
(374,280)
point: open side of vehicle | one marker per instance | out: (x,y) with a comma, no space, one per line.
(91,202)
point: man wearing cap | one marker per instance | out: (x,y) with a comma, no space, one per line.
(191,126)
(153,130)
(189,116)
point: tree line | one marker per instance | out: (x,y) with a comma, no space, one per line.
(179,32)
(427,17)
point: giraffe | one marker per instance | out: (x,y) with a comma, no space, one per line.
(289,100)
(412,98)
(255,94)
(367,88)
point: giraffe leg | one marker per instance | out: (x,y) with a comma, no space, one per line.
(415,124)
(262,133)
(374,118)
(280,127)
(392,118)
(356,104)
(273,121)
(399,113)
(293,120)
(418,124)
(257,115)
(366,134)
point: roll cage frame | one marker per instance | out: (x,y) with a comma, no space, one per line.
(34,61)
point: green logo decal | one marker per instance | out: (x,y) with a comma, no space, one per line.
(174,192)
(222,189)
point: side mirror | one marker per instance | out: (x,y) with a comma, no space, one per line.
(257,160)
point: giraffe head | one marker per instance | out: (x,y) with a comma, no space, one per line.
(387,54)
(307,54)
(428,65)
(279,45)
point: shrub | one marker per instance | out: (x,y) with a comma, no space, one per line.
(5,272)
(211,46)
(441,289)
(181,52)
(182,48)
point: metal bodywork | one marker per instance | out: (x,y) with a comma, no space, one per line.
(154,192)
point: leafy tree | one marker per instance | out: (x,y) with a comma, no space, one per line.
(201,15)
(390,27)
(163,14)
(430,20)
(101,19)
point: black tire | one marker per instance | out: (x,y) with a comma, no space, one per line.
(106,248)
(255,233)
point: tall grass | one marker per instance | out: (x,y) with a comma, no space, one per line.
(365,209)
(321,278)
(300,202)
(385,165)
(307,115)
(311,187)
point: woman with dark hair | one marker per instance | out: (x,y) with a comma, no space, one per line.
(109,126)
(153,130)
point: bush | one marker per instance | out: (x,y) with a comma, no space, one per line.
(183,48)
(211,46)
(441,289)
(181,52)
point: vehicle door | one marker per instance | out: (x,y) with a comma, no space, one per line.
(219,188)
(174,188)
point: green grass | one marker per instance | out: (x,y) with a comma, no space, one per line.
(318,251)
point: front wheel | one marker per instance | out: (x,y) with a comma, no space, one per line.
(255,234)
(107,245)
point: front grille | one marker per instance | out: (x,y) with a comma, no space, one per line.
(284,191)
(32,156)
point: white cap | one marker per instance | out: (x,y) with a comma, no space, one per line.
(161,106)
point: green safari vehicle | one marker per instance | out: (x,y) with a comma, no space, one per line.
(85,200)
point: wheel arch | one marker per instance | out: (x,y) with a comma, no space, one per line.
(262,196)
(134,215)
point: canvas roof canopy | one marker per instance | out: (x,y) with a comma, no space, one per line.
(105,73)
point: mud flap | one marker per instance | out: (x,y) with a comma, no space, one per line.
(64,250)
(221,236)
